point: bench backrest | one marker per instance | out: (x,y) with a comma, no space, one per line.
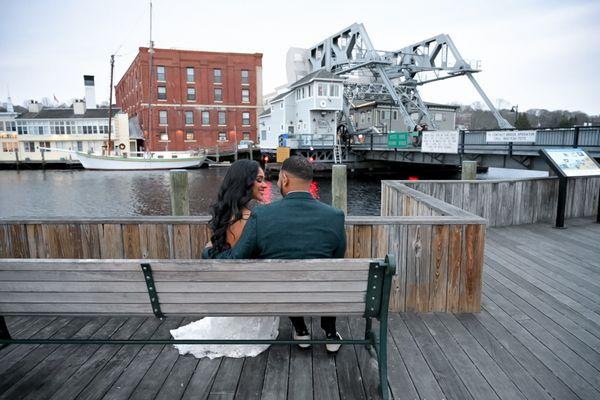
(191,287)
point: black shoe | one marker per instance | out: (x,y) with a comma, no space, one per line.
(333,347)
(302,336)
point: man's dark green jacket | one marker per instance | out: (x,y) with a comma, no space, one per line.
(296,227)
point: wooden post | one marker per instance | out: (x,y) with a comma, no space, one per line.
(43,158)
(469,170)
(339,187)
(17,157)
(180,198)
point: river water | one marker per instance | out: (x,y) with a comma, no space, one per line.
(83,193)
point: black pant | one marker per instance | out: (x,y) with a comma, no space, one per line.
(327,324)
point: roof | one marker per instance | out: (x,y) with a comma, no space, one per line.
(265,113)
(17,109)
(368,103)
(321,74)
(68,113)
(280,96)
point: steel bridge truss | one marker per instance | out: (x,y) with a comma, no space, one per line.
(392,76)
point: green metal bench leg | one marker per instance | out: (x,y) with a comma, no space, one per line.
(382,359)
(4,334)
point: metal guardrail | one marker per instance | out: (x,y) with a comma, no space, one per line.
(474,140)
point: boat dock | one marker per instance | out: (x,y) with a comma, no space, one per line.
(511,311)
(536,337)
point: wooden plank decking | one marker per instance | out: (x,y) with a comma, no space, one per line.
(537,337)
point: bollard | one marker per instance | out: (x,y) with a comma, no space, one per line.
(180,198)
(469,171)
(339,188)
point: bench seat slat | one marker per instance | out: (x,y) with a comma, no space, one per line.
(178,276)
(347,264)
(192,298)
(185,287)
(282,309)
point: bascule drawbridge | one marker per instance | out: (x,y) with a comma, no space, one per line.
(392,76)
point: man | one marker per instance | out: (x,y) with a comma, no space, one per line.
(296,227)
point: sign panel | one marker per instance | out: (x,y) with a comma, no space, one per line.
(397,139)
(573,162)
(510,136)
(440,142)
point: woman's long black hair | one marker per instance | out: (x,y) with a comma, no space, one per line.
(234,196)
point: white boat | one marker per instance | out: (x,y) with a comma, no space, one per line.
(138,160)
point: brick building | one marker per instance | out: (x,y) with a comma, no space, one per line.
(199,99)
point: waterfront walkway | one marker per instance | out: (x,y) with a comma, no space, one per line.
(537,337)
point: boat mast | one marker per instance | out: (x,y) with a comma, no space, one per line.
(112,67)
(150,53)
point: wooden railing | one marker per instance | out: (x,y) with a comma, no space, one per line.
(439,247)
(515,201)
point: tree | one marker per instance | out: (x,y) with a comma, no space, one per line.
(522,121)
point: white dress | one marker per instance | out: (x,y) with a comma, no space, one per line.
(227,328)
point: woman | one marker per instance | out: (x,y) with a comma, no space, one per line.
(243,185)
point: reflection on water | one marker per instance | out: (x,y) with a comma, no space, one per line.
(83,193)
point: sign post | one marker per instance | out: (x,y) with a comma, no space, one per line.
(569,163)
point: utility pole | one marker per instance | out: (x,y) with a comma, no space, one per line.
(112,67)
(150,54)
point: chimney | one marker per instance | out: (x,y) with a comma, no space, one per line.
(33,106)
(90,91)
(79,107)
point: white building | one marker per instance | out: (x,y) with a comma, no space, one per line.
(75,128)
(305,115)
(8,131)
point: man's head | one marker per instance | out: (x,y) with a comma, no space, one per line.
(296,174)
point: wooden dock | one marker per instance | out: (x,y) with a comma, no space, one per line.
(537,337)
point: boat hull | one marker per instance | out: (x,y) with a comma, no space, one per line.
(136,163)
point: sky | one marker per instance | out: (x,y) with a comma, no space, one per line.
(534,53)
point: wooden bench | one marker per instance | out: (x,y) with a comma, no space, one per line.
(92,287)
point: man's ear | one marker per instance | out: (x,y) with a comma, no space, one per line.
(284,179)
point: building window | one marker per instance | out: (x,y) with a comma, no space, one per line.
(11,126)
(245,135)
(438,116)
(334,90)
(245,96)
(245,77)
(205,117)
(45,144)
(263,135)
(164,137)
(162,92)
(309,90)
(245,118)
(189,135)
(395,115)
(222,137)
(29,147)
(191,93)
(217,75)
(321,89)
(10,147)
(190,74)
(222,118)
(189,118)
(218,94)
(162,118)
(79,145)
(160,73)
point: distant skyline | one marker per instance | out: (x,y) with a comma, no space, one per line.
(534,54)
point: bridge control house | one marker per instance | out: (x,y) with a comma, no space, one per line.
(305,114)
